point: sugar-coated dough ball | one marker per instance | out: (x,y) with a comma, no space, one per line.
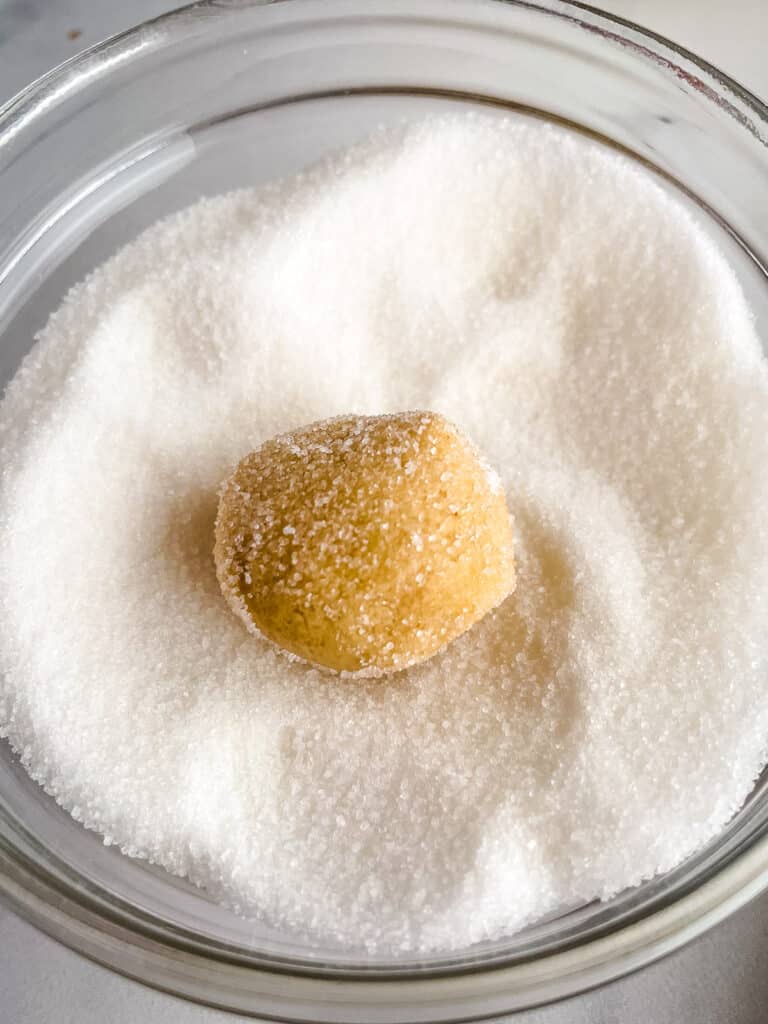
(364,543)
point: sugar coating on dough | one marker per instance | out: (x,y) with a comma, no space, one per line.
(365,544)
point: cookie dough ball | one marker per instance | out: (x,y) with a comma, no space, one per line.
(364,543)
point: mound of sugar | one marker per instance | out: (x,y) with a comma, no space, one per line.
(548,296)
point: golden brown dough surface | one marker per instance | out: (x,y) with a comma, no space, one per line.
(364,543)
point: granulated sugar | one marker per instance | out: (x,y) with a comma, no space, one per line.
(551,299)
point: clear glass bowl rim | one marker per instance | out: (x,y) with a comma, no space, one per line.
(84,920)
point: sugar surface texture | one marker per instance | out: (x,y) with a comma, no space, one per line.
(551,299)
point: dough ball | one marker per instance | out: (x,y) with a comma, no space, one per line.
(364,543)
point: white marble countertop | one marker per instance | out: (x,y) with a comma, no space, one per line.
(721,978)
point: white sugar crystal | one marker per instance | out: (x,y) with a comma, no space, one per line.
(545,294)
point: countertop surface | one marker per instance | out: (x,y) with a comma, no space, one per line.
(722,978)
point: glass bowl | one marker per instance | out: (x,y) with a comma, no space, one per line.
(224,94)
